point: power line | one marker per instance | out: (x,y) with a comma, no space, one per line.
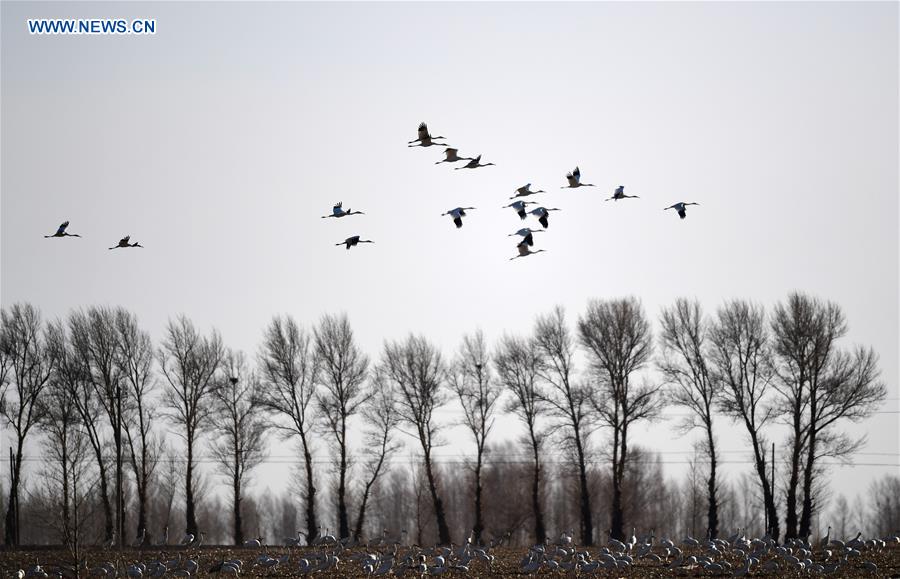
(399,460)
(488,453)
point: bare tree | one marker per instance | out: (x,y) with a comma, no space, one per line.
(517,362)
(71,369)
(344,367)
(96,343)
(742,365)
(794,344)
(135,362)
(416,368)
(617,336)
(684,341)
(239,446)
(65,443)
(568,401)
(380,414)
(884,504)
(473,384)
(26,366)
(189,363)
(821,385)
(290,371)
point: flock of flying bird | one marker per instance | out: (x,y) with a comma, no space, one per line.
(61,232)
(451,155)
(520,206)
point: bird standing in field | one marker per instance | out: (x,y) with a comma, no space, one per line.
(525,250)
(354,241)
(425,139)
(474,164)
(620,194)
(124,243)
(338,211)
(519,207)
(457,215)
(450,156)
(574,179)
(525,191)
(61,231)
(680,208)
(526,234)
(543,215)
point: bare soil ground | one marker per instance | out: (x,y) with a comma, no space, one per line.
(506,564)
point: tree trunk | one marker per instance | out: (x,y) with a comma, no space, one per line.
(120,502)
(361,517)
(238,522)
(343,522)
(806,515)
(618,513)
(142,507)
(104,494)
(140,482)
(479,523)
(791,498)
(312,527)
(443,530)
(617,521)
(796,449)
(65,494)
(587,525)
(12,516)
(712,516)
(540,532)
(768,495)
(190,515)
(9,524)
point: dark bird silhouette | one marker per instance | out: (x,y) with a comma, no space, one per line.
(620,194)
(680,208)
(425,139)
(526,233)
(474,164)
(519,207)
(525,191)
(543,215)
(124,243)
(574,179)
(61,231)
(450,156)
(457,215)
(354,241)
(338,211)
(525,250)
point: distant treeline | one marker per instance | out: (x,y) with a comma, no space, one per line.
(99,399)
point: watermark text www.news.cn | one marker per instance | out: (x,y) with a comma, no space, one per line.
(91,26)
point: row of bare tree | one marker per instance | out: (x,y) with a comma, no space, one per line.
(94,386)
(672,506)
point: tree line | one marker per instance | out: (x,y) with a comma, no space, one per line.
(99,396)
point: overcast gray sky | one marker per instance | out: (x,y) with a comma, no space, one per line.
(219,142)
